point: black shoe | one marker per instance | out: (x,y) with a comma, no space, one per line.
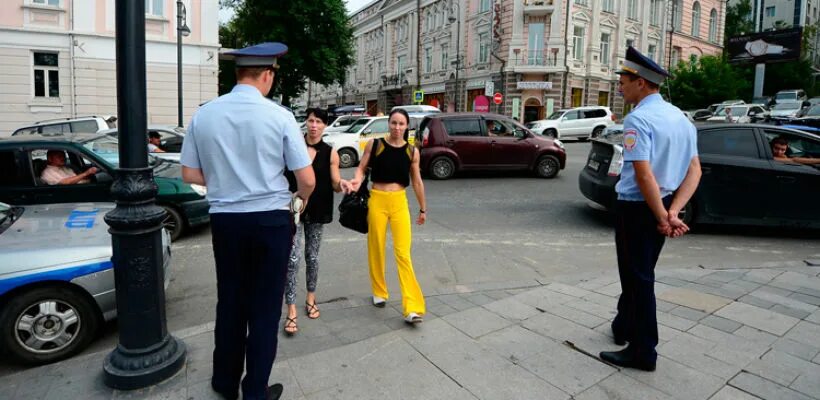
(225,394)
(275,391)
(626,358)
(619,341)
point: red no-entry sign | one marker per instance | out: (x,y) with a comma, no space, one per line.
(497,98)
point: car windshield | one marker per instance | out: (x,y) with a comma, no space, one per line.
(356,126)
(787,106)
(786,96)
(107,148)
(814,111)
(721,112)
(556,115)
(738,111)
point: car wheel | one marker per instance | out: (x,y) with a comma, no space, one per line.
(173,222)
(547,166)
(551,133)
(48,324)
(442,168)
(347,158)
(597,132)
(687,215)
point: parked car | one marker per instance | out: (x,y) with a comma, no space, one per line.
(61,126)
(582,123)
(350,143)
(23,158)
(341,124)
(741,114)
(418,110)
(814,100)
(810,112)
(717,107)
(171,138)
(766,101)
(461,141)
(795,95)
(56,279)
(741,184)
(785,110)
(700,115)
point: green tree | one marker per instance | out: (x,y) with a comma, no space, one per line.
(738,20)
(317,32)
(702,81)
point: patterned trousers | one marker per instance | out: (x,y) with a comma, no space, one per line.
(312,238)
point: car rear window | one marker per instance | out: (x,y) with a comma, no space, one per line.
(89,126)
(463,127)
(729,142)
(55,129)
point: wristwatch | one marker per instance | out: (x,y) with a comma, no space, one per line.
(759,48)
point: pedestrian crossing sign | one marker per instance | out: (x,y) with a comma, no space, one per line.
(418,96)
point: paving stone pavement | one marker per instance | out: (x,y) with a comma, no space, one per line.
(725,334)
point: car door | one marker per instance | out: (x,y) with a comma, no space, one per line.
(508,151)
(468,139)
(43,193)
(571,123)
(798,185)
(735,181)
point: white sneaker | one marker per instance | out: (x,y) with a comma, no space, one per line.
(378,301)
(413,318)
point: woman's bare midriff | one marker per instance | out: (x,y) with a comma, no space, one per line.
(388,187)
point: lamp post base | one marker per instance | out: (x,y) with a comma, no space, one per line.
(134,369)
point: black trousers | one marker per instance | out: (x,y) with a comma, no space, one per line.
(638,245)
(251,252)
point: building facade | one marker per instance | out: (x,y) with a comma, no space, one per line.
(57,59)
(540,55)
(697,29)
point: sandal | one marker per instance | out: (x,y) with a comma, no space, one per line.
(290,326)
(311,310)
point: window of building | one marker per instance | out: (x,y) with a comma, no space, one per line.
(605,49)
(55,3)
(370,72)
(379,68)
(655,12)
(675,56)
(46,75)
(581,2)
(632,9)
(608,5)
(770,11)
(677,15)
(444,56)
(577,99)
(713,26)
(535,43)
(484,6)
(483,47)
(696,19)
(603,100)
(400,66)
(652,52)
(154,7)
(578,43)
(429,20)
(428,59)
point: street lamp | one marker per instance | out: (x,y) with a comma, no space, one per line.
(451,18)
(146,354)
(182,30)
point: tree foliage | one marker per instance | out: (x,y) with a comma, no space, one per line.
(702,81)
(738,21)
(317,32)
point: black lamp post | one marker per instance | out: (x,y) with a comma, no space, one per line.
(456,19)
(146,353)
(182,30)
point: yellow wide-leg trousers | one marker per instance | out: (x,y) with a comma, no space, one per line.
(391,208)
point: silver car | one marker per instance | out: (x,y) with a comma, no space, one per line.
(56,278)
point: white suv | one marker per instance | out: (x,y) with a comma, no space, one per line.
(62,126)
(581,122)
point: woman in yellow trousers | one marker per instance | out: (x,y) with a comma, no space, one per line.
(394,165)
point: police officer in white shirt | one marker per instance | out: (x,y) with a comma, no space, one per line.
(661,172)
(239,146)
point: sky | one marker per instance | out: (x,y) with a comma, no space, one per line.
(352,5)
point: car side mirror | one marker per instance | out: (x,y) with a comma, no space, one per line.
(103,177)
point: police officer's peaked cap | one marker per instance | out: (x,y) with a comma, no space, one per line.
(640,65)
(260,55)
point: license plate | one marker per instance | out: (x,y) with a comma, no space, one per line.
(594,165)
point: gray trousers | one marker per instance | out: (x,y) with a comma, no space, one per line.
(312,238)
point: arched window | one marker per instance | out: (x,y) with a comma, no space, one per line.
(713,26)
(696,19)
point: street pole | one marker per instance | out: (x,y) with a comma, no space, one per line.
(182,30)
(146,353)
(458,45)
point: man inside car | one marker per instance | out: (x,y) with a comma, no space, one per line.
(779,147)
(56,173)
(154,142)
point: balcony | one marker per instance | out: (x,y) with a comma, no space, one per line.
(535,61)
(539,7)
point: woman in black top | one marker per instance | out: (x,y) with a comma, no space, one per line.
(394,165)
(317,212)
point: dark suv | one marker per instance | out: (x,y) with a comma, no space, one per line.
(477,141)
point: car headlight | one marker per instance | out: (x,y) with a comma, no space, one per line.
(199,189)
(558,143)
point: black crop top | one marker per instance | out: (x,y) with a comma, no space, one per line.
(390,164)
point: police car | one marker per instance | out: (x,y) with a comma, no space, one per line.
(56,279)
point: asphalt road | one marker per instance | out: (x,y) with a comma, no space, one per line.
(487,227)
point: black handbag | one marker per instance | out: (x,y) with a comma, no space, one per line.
(353,208)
